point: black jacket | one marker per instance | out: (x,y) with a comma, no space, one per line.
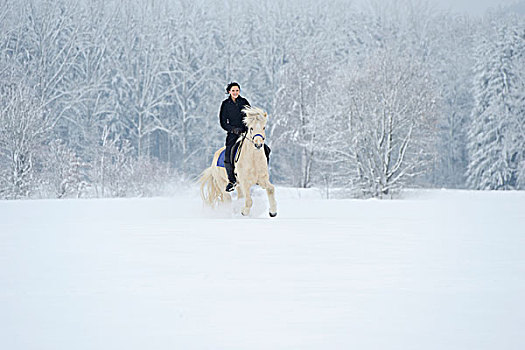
(231,115)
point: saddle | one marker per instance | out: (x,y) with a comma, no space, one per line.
(235,148)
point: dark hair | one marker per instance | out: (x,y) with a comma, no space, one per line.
(230,85)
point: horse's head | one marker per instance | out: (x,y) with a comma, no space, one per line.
(255,120)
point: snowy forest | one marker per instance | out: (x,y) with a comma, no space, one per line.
(112,98)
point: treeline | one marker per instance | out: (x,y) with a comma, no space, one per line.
(112,98)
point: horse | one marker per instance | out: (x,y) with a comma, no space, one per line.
(251,167)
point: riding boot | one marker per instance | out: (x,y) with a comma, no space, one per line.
(231,177)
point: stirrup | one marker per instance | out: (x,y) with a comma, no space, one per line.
(230,187)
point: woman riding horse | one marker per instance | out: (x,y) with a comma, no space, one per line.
(231,118)
(251,167)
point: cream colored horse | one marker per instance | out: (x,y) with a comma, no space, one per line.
(251,167)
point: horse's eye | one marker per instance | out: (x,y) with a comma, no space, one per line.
(251,129)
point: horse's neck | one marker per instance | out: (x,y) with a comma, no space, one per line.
(250,153)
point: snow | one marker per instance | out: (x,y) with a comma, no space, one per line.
(436,270)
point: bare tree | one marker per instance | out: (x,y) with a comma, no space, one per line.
(300,117)
(62,173)
(138,64)
(390,115)
(24,128)
(189,79)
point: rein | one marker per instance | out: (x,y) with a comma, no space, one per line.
(242,141)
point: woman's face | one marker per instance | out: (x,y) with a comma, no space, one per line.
(234,92)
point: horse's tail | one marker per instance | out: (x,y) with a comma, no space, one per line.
(211,193)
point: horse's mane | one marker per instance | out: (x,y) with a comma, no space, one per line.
(254,114)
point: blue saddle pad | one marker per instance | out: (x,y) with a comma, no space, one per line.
(220,161)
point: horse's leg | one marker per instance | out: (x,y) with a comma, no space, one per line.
(240,193)
(270,191)
(245,188)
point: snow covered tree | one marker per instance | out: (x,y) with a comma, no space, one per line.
(137,62)
(117,172)
(496,144)
(47,52)
(300,116)
(450,61)
(389,116)
(112,165)
(190,64)
(23,129)
(519,105)
(129,85)
(92,101)
(62,171)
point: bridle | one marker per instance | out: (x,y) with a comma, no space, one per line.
(254,136)
(252,140)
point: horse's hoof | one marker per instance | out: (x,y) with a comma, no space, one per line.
(273,214)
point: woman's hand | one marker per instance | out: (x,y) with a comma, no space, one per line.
(237,131)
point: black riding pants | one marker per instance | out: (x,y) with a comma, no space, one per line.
(230,141)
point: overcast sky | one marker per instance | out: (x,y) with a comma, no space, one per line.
(474,7)
(471,7)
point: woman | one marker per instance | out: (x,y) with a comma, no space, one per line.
(231,117)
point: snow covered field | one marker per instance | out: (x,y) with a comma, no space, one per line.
(437,270)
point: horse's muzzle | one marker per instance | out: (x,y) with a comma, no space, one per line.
(258,146)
